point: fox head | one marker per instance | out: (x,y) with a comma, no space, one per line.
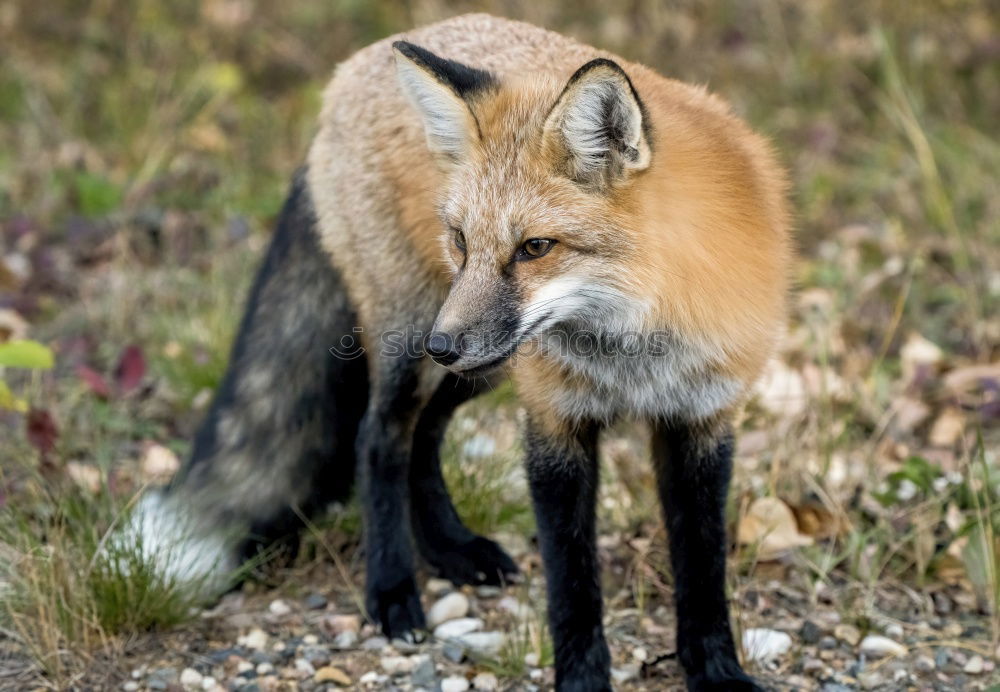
(535,206)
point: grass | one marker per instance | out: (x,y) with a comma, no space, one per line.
(145,150)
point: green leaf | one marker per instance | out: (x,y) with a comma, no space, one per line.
(9,401)
(25,354)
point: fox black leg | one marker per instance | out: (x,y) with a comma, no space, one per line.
(443,540)
(383,451)
(562,473)
(693,467)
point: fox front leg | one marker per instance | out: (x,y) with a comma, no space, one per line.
(693,467)
(383,450)
(562,473)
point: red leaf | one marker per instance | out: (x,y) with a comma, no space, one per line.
(94,380)
(41,432)
(131,368)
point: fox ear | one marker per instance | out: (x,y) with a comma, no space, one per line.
(440,90)
(598,125)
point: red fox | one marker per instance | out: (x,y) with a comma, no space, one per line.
(512,202)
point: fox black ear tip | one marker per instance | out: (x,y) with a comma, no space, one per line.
(404,48)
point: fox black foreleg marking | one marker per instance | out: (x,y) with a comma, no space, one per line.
(693,467)
(448,546)
(384,446)
(562,473)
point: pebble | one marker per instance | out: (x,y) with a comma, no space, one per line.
(877,646)
(975,665)
(870,680)
(488,591)
(376,643)
(810,633)
(813,666)
(190,679)
(629,671)
(334,675)
(256,639)
(511,605)
(310,640)
(454,605)
(763,645)
(424,674)
(279,607)
(346,640)
(439,587)
(485,682)
(640,654)
(827,643)
(454,652)
(454,683)
(305,667)
(369,678)
(894,630)
(486,643)
(342,623)
(396,665)
(130,686)
(314,601)
(208,683)
(847,633)
(925,664)
(531,659)
(264,668)
(456,628)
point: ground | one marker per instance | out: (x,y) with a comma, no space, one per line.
(144,151)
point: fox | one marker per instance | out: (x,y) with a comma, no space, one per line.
(516,205)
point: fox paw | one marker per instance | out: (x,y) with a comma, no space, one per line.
(397,610)
(478,562)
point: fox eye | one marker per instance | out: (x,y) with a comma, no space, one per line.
(459,239)
(535,247)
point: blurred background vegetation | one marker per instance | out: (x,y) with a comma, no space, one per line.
(145,148)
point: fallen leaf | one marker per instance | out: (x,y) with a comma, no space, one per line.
(919,354)
(770,525)
(130,370)
(948,427)
(782,391)
(12,325)
(159,464)
(94,380)
(85,476)
(41,432)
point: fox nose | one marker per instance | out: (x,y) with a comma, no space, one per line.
(441,347)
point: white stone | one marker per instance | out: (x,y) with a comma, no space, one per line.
(264,668)
(208,683)
(130,686)
(396,665)
(454,683)
(256,639)
(191,679)
(640,654)
(531,659)
(279,607)
(439,587)
(310,640)
(763,645)
(509,604)
(629,671)
(975,666)
(305,667)
(486,643)
(456,628)
(486,682)
(369,678)
(877,646)
(451,607)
